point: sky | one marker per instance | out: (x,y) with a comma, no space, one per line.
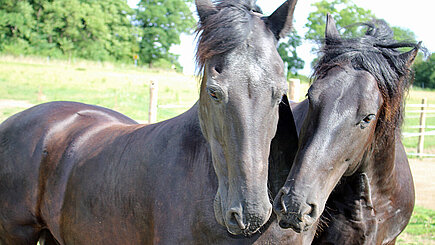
(416,15)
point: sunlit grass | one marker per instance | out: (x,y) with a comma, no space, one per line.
(421,228)
(412,119)
(123,89)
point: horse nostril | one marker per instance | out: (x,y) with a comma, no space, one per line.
(236,219)
(239,221)
(310,213)
(283,205)
(284,224)
(279,203)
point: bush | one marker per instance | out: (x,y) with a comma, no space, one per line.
(17,47)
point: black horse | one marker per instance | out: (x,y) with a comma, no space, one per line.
(72,173)
(350,157)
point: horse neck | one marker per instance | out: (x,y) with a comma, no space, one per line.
(379,163)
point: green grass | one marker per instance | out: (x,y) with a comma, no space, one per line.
(123,89)
(9,111)
(412,119)
(421,228)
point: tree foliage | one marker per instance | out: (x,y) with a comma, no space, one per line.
(424,72)
(162,23)
(97,30)
(403,34)
(347,16)
(344,12)
(287,51)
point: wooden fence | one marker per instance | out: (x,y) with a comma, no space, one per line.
(422,111)
(293,93)
(153,103)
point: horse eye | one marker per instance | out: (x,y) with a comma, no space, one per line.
(213,94)
(366,121)
(369,118)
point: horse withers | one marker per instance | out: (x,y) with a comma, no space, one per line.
(72,173)
(351,164)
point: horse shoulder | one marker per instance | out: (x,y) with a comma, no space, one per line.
(403,197)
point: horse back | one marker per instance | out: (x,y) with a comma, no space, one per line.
(32,143)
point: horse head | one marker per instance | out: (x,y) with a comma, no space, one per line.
(242,84)
(355,100)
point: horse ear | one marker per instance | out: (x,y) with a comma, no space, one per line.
(280,22)
(409,56)
(205,8)
(331,32)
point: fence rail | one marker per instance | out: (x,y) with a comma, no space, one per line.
(422,126)
(171,106)
(419,126)
(418,134)
(420,154)
(293,95)
(420,105)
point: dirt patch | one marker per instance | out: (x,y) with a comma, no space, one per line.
(423,172)
(14,103)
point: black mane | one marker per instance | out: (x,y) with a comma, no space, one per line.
(377,53)
(223,29)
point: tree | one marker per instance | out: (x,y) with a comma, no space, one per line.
(109,28)
(344,13)
(61,24)
(162,22)
(347,15)
(287,51)
(16,23)
(97,30)
(424,72)
(403,34)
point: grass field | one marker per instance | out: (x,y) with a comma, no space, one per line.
(125,89)
(421,228)
(26,81)
(412,119)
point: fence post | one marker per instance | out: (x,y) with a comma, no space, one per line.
(152,111)
(41,95)
(294,89)
(422,126)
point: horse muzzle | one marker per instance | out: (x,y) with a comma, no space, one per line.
(294,213)
(242,220)
(239,222)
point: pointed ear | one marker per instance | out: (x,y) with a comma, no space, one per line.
(409,56)
(280,22)
(205,8)
(331,32)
